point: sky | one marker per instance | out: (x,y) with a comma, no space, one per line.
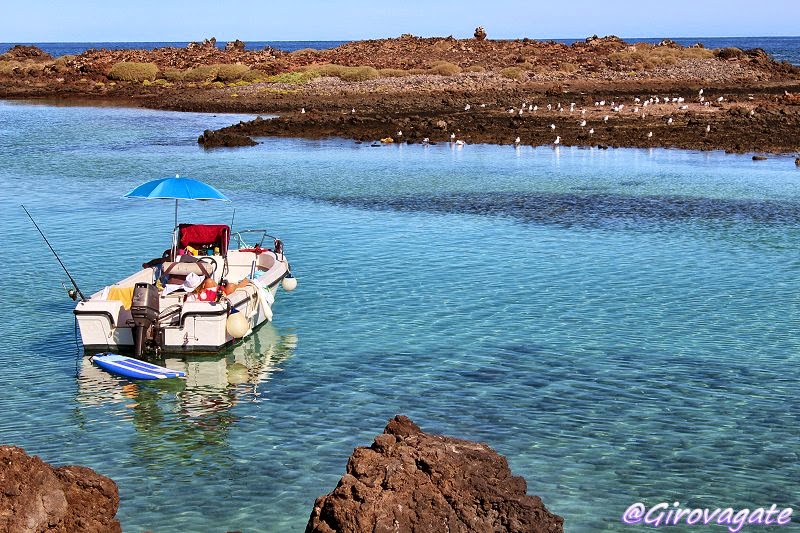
(312,20)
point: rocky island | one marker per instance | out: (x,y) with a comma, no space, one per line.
(598,92)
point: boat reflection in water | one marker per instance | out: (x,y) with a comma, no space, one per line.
(197,410)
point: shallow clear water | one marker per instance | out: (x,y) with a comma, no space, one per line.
(621,324)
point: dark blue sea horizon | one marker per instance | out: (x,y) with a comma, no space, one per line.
(780,48)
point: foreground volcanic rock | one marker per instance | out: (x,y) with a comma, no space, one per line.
(411,481)
(35,496)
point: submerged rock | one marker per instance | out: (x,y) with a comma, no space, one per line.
(35,496)
(411,481)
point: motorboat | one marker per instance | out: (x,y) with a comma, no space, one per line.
(200,296)
(207,291)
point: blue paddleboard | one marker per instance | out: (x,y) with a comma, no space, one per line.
(133,368)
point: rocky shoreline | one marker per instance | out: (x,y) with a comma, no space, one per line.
(407,480)
(601,92)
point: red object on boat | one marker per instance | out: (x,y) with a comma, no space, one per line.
(204,234)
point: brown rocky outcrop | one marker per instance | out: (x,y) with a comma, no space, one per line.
(35,496)
(21,52)
(235,45)
(224,139)
(409,481)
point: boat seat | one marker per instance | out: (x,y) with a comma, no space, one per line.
(177,271)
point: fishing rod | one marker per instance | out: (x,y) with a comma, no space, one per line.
(77,289)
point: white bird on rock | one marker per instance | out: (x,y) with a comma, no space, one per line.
(302,109)
(583,123)
(558,140)
(669,120)
(552,126)
(591,131)
(649,134)
(721,98)
(708,128)
(605,118)
(517,140)
(452,137)
(466,107)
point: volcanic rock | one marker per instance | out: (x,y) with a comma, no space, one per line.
(411,481)
(220,139)
(35,496)
(21,52)
(235,45)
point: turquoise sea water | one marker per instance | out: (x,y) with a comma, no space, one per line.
(621,324)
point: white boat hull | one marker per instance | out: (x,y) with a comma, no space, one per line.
(184,325)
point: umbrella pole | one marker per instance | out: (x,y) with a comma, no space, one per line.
(175,234)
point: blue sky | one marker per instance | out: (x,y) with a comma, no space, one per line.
(264,20)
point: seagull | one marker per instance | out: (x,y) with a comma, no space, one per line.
(353,110)
(452,137)
(684,107)
(700,92)
(708,128)
(530,107)
(511,110)
(721,98)
(602,103)
(669,120)
(535,108)
(552,126)
(302,109)
(517,140)
(635,109)
(426,140)
(399,133)
(649,134)
(460,143)
(583,123)
(520,111)
(483,105)
(636,100)
(466,107)
(549,107)
(605,118)
(558,140)
(752,112)
(583,111)
(591,131)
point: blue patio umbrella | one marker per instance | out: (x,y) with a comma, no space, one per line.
(176,188)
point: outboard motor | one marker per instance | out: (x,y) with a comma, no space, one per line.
(144,309)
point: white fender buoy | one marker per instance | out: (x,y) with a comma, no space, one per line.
(237,325)
(289,283)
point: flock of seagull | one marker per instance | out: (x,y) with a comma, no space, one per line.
(639,107)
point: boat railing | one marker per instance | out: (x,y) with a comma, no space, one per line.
(259,235)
